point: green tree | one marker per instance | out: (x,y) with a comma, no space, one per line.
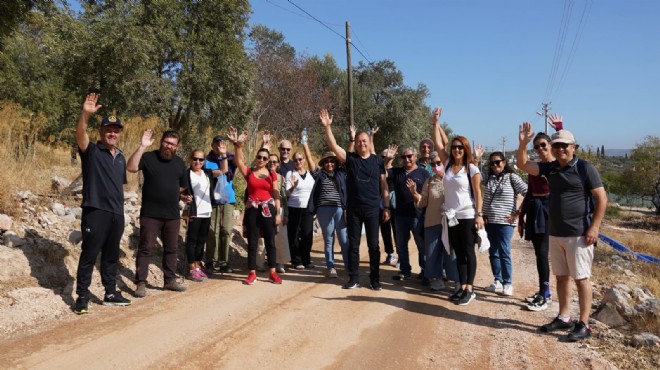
(646,170)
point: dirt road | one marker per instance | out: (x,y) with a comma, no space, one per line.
(309,322)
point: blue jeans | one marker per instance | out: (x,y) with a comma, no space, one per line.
(500,236)
(332,221)
(437,257)
(404,226)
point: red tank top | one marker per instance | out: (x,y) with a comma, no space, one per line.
(260,189)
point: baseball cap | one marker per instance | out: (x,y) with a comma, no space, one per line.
(219,138)
(111,121)
(563,136)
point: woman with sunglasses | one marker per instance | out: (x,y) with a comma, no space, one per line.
(262,206)
(281,237)
(533,220)
(328,202)
(199,198)
(463,212)
(300,224)
(502,185)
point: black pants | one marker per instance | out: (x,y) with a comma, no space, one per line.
(255,222)
(386,230)
(541,249)
(102,232)
(461,238)
(300,231)
(196,235)
(356,217)
(168,231)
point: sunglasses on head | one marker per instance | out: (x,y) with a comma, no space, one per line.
(540,145)
(285,149)
(195,159)
(406,156)
(261,158)
(457,147)
(559,145)
(496,162)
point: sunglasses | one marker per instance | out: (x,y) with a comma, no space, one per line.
(496,162)
(285,149)
(541,145)
(273,161)
(195,159)
(457,147)
(261,158)
(559,145)
(438,163)
(329,162)
(298,159)
(406,156)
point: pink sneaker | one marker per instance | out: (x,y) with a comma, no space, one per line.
(252,277)
(274,278)
(194,275)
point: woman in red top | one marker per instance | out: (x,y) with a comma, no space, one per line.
(261,207)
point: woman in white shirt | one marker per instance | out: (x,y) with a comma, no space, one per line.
(198,196)
(463,204)
(300,224)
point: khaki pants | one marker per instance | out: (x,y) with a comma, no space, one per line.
(218,242)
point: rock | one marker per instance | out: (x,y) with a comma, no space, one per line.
(623,287)
(59,209)
(616,267)
(12,240)
(75,236)
(608,314)
(24,195)
(640,294)
(58,184)
(237,215)
(645,340)
(77,212)
(75,187)
(5,222)
(131,197)
(619,299)
(649,306)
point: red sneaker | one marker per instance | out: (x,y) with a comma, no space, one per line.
(252,277)
(274,278)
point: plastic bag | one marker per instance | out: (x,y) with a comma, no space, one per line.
(481,240)
(220,192)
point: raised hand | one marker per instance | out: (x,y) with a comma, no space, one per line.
(437,112)
(391,151)
(242,137)
(222,148)
(89,106)
(266,136)
(374,130)
(147,138)
(556,121)
(525,134)
(325,118)
(233,135)
(352,130)
(478,151)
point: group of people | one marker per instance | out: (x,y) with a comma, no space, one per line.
(438,195)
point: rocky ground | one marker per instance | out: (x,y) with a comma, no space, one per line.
(40,247)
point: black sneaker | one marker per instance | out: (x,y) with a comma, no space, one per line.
(310,266)
(388,259)
(466,297)
(115,299)
(401,276)
(351,284)
(375,285)
(81,306)
(579,332)
(557,324)
(456,296)
(226,269)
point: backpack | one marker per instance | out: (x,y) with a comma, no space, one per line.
(590,204)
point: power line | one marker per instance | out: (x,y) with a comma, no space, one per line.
(559,46)
(576,42)
(359,41)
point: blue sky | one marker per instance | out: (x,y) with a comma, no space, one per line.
(489,63)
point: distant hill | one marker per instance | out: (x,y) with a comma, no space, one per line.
(617,152)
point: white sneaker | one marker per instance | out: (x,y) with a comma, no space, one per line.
(507,290)
(332,273)
(394,260)
(495,287)
(437,285)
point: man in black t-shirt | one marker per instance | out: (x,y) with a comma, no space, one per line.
(104,175)
(163,173)
(366,185)
(286,164)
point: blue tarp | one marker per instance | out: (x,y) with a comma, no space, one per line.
(622,248)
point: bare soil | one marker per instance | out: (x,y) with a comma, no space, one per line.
(308,322)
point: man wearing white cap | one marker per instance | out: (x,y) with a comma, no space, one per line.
(573,230)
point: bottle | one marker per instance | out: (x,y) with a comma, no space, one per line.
(303,136)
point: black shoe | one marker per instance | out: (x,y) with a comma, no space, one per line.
(466,297)
(401,276)
(388,259)
(456,296)
(208,268)
(115,299)
(426,281)
(351,284)
(226,269)
(375,285)
(579,332)
(310,266)
(557,324)
(420,276)
(81,306)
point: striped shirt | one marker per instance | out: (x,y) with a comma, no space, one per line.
(500,197)
(328,193)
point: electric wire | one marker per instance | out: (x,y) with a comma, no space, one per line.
(559,46)
(576,42)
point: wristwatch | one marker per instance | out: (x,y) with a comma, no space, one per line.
(480,214)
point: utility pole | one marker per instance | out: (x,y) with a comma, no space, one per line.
(545,107)
(349,70)
(503,146)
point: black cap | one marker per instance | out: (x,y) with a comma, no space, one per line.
(219,138)
(111,121)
